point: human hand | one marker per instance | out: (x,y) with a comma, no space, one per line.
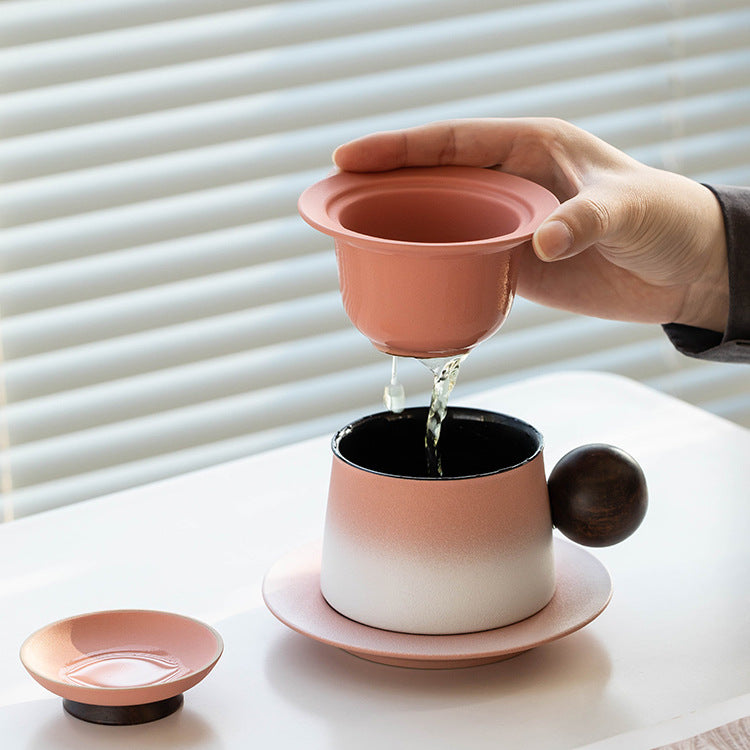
(628,242)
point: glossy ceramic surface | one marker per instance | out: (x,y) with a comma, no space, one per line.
(121,657)
(426,256)
(291,590)
(438,556)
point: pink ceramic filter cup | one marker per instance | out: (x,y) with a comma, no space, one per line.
(427,255)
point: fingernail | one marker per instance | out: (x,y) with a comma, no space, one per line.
(552,240)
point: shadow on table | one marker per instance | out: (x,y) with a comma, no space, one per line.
(535,696)
(56,729)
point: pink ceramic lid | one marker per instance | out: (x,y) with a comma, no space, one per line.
(121,657)
(326,204)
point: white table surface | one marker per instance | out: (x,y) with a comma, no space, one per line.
(673,646)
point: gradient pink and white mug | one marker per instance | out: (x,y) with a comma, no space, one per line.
(470,550)
(427,257)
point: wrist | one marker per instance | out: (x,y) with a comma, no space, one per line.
(706,302)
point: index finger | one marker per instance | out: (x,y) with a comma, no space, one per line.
(471,142)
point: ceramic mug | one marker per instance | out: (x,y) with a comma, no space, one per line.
(468,551)
(427,256)
(472,549)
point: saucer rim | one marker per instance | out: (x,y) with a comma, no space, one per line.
(571,560)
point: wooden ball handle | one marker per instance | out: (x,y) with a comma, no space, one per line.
(598,495)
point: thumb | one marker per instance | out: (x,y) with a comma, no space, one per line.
(577,224)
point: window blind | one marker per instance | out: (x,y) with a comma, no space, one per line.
(163,308)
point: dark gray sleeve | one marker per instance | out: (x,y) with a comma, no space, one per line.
(734,344)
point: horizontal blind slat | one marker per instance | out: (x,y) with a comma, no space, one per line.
(132,355)
(642,131)
(135,268)
(153,221)
(624,360)
(703,380)
(155,178)
(108,98)
(104,187)
(82,486)
(207,380)
(49,495)
(151,308)
(232,34)
(86,365)
(690,155)
(260,409)
(638,360)
(234,416)
(237,119)
(737,174)
(29,21)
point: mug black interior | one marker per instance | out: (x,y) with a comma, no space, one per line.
(473,442)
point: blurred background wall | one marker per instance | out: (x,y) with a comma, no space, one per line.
(162,306)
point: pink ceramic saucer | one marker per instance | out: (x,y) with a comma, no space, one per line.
(291,590)
(122,666)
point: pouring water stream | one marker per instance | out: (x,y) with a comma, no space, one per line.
(445,373)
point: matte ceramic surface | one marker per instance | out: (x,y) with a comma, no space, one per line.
(121,657)
(438,556)
(427,255)
(291,590)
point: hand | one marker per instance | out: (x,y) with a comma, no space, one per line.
(628,242)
